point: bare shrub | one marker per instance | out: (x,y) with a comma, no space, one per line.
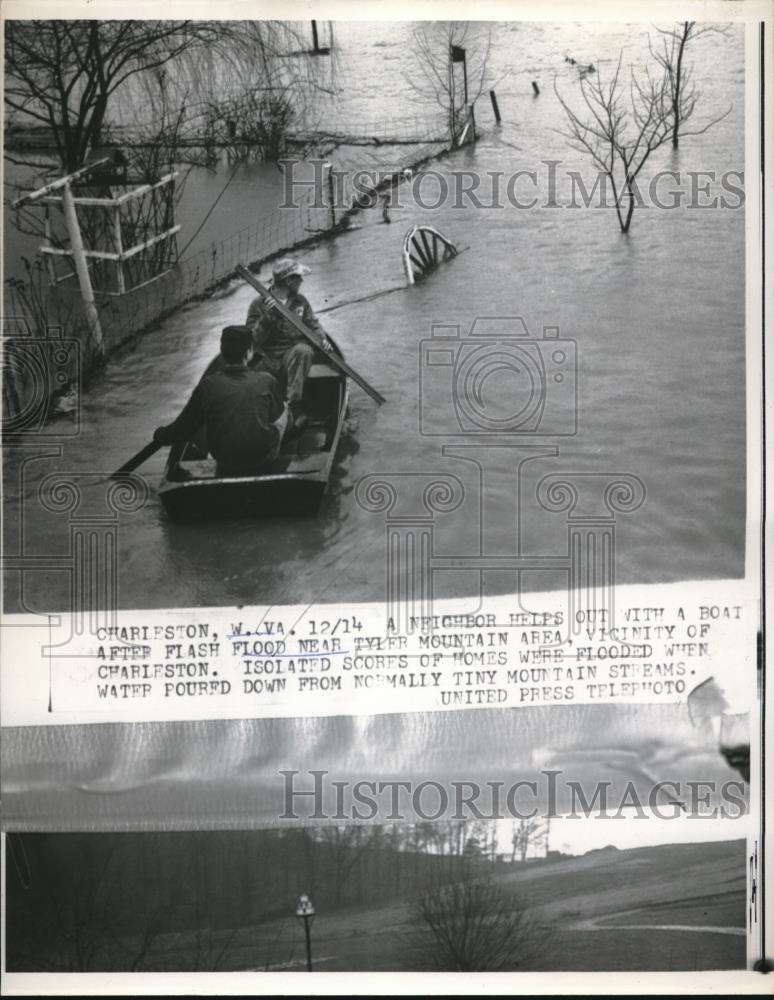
(473,925)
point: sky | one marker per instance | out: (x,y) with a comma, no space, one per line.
(579,835)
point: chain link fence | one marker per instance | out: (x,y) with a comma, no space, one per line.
(312,218)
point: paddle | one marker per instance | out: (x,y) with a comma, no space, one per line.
(308,335)
(136,460)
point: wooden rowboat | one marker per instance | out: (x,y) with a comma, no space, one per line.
(294,483)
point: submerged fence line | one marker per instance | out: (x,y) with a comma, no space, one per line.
(196,276)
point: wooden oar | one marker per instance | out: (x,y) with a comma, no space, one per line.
(136,460)
(307,334)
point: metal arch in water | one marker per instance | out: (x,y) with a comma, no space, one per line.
(424,249)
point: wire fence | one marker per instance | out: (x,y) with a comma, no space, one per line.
(204,125)
(312,218)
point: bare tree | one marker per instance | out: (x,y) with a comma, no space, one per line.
(396,839)
(472,925)
(345,847)
(487,833)
(264,63)
(452,836)
(76,919)
(63,74)
(527,832)
(473,850)
(679,73)
(435,80)
(619,135)
(243,90)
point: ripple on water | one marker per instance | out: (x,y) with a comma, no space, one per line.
(657,317)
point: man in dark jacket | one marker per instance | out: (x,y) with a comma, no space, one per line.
(281,347)
(241,409)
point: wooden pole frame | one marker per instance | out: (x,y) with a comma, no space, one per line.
(120,281)
(59,184)
(59,192)
(82,268)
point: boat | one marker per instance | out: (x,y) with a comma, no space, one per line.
(293,484)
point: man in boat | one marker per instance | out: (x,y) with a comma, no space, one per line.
(241,410)
(277,343)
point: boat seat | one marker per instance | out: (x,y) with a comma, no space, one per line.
(288,463)
(203,468)
(322,371)
(307,463)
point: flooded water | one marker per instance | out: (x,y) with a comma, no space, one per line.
(656,317)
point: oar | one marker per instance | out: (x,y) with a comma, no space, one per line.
(136,460)
(308,335)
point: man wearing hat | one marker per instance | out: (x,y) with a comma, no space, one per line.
(280,345)
(240,409)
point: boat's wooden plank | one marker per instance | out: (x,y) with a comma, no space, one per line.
(323,371)
(202,469)
(308,463)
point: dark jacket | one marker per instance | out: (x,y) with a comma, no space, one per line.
(238,406)
(272,333)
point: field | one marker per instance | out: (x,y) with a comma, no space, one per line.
(672,907)
(604,911)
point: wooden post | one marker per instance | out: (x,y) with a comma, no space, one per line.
(452,95)
(306,927)
(81,267)
(317,50)
(331,194)
(119,250)
(62,182)
(495,108)
(49,259)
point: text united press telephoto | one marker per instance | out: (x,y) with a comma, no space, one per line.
(381,498)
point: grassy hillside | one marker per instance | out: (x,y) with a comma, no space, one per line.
(667,907)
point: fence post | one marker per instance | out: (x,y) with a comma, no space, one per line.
(81,267)
(119,250)
(495,108)
(50,242)
(331,193)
